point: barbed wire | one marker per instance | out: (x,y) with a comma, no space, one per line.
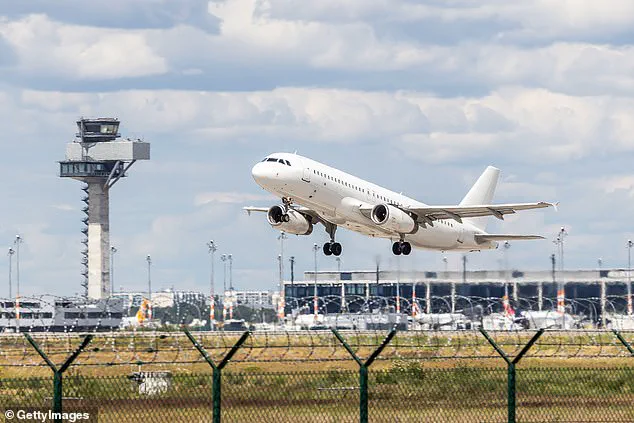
(428,329)
(143,348)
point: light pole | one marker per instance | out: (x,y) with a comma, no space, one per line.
(113,250)
(223,258)
(561,294)
(230,258)
(149,286)
(281,237)
(315,300)
(212,249)
(398,284)
(343,306)
(629,279)
(292,261)
(17,242)
(507,245)
(446,261)
(10,254)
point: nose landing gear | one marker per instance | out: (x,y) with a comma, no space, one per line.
(401,247)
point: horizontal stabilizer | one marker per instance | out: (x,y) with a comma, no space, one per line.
(499,237)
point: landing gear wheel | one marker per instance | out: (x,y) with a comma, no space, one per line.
(406,248)
(285,217)
(326,249)
(335,248)
(396,248)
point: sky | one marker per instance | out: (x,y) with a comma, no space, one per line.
(417,96)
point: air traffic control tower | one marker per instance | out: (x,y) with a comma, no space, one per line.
(99,158)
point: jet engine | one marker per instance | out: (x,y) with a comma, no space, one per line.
(292,222)
(393,219)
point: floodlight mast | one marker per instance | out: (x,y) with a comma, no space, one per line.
(100,159)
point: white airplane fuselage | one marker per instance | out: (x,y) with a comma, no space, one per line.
(337,197)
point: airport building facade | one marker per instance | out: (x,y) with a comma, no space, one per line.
(589,291)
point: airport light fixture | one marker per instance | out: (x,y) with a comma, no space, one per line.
(149,276)
(292,261)
(230,258)
(446,262)
(18,240)
(211,245)
(149,286)
(223,258)
(315,299)
(629,278)
(10,254)
(113,250)
(281,237)
(561,293)
(600,262)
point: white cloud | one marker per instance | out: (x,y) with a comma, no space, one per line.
(227,197)
(49,47)
(537,125)
(615,183)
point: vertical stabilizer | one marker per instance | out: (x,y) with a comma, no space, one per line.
(482,193)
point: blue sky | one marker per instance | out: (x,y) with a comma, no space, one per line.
(417,96)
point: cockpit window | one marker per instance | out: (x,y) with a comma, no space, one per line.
(271,159)
(288,163)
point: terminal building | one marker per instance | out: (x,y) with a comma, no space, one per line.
(589,291)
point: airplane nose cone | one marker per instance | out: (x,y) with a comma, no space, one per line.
(259,172)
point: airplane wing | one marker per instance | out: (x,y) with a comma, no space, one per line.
(428,214)
(316,218)
(250,209)
(499,237)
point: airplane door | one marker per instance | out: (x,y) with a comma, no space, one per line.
(306,175)
(461,234)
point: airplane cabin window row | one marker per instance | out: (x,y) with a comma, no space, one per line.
(380,197)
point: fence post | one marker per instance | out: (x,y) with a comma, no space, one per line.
(58,372)
(511,382)
(217,370)
(623,341)
(363,370)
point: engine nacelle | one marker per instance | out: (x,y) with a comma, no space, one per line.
(294,222)
(393,219)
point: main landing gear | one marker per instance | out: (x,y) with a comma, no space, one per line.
(401,247)
(286,202)
(332,247)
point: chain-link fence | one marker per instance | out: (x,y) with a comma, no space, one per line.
(324,377)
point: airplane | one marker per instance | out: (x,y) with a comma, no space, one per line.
(313,193)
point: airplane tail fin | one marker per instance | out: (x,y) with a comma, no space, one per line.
(481,193)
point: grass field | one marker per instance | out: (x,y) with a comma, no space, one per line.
(403,392)
(310,377)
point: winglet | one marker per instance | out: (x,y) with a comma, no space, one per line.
(555,206)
